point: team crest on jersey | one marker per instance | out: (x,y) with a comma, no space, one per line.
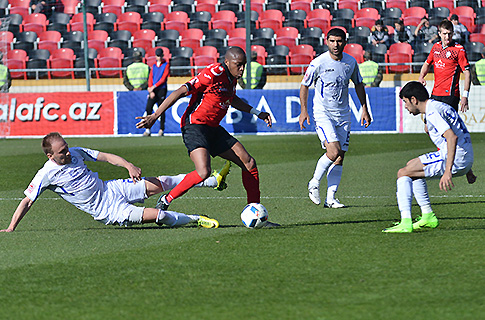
(448,54)
(31,188)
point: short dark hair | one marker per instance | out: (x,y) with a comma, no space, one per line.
(414,89)
(446,24)
(47,141)
(337,32)
(454,17)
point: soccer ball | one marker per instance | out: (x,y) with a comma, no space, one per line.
(254,216)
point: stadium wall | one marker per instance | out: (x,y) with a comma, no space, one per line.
(113,113)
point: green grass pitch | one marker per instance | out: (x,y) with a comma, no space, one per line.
(321,264)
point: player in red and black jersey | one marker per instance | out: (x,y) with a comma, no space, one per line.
(213,91)
(449,60)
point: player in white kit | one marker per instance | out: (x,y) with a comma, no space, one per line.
(454,157)
(110,202)
(330,73)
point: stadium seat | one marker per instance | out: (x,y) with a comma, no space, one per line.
(277,65)
(241,19)
(182,52)
(113,6)
(80,63)
(450,4)
(376,4)
(62,59)
(477,37)
(426,4)
(237,42)
(15,23)
(58,21)
(348,4)
(144,38)
(280,5)
(92,6)
(153,21)
(191,38)
(200,20)
(263,37)
(20,7)
(177,20)
(413,15)
(38,59)
(286,36)
(139,6)
(77,23)
(474,50)
(207,5)
(160,6)
(215,37)
(203,61)
(423,47)
(437,14)
(109,58)
(262,54)
(378,52)
(129,21)
(401,4)
(168,38)
(271,19)
(256,5)
(3,8)
(295,18)
(6,40)
(17,59)
(223,20)
(236,33)
(280,50)
(36,22)
(106,21)
(179,66)
(305,5)
(360,34)
(312,36)
(128,56)
(70,7)
(97,39)
(299,59)
(303,49)
(391,15)
(120,39)
(187,6)
(49,40)
(344,14)
(355,50)
(367,13)
(466,16)
(320,18)
(399,57)
(469,3)
(26,41)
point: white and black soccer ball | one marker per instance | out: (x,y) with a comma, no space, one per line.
(254,216)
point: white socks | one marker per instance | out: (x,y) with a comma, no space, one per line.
(420,190)
(322,166)
(169,182)
(404,196)
(174,219)
(334,176)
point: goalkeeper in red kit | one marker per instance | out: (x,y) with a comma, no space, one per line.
(213,90)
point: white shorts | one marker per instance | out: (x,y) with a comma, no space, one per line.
(118,199)
(331,131)
(435,163)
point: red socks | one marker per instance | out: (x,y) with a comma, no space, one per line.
(250,180)
(190,180)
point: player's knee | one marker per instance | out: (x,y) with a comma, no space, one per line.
(402,173)
(250,163)
(204,173)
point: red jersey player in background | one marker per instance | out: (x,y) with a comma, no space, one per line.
(449,60)
(213,90)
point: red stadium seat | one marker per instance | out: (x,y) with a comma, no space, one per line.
(466,16)
(206,51)
(401,4)
(305,5)
(450,4)
(207,5)
(256,5)
(177,20)
(191,38)
(97,39)
(160,6)
(70,6)
(365,22)
(224,19)
(144,38)
(113,6)
(402,47)
(398,57)
(77,23)
(237,33)
(300,59)
(271,19)
(109,58)
(49,40)
(35,22)
(130,21)
(304,49)
(21,7)
(477,37)
(62,59)
(355,50)
(6,39)
(414,12)
(320,18)
(349,4)
(287,36)
(17,60)
(262,54)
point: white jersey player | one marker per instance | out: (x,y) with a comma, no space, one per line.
(453,158)
(110,202)
(331,73)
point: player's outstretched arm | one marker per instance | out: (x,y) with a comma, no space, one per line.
(304,117)
(365,119)
(134,171)
(240,105)
(149,120)
(464,98)
(20,212)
